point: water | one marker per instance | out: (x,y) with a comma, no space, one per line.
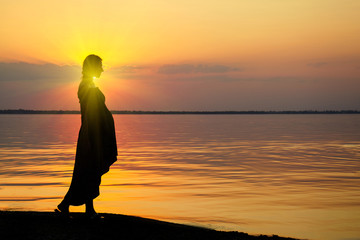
(291,175)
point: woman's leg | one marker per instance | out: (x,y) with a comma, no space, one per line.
(90,207)
(63,207)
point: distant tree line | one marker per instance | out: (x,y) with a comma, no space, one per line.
(25,111)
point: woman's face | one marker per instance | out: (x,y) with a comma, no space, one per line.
(98,71)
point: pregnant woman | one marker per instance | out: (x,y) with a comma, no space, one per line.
(96,146)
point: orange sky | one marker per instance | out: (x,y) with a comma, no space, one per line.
(183,55)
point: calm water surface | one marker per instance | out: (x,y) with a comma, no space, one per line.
(291,175)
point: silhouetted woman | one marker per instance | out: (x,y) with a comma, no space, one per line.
(96,147)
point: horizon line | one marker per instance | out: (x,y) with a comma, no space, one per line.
(32,111)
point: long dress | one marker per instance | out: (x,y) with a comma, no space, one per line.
(96,146)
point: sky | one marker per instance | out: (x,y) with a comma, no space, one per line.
(187,55)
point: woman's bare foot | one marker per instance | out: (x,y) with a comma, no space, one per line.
(89,209)
(63,208)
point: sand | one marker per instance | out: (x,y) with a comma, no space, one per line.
(49,226)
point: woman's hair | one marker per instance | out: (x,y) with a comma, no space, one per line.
(90,64)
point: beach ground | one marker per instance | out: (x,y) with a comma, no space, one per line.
(51,226)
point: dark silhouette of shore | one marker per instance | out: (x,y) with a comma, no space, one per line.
(46,225)
(25,111)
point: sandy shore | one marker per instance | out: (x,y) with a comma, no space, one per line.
(48,225)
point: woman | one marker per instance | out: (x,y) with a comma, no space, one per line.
(96,147)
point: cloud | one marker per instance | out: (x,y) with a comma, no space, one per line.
(128,69)
(317,64)
(346,63)
(22,71)
(226,78)
(191,68)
